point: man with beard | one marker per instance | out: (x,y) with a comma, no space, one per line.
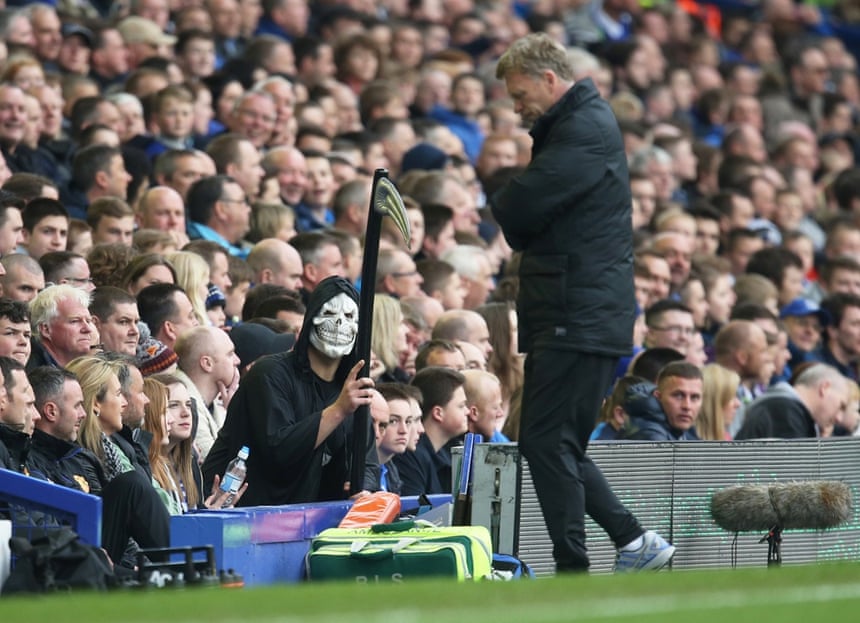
(294,410)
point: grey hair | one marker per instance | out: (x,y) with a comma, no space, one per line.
(43,308)
(582,62)
(261,85)
(252,93)
(532,55)
(817,373)
(123,98)
(466,259)
(639,160)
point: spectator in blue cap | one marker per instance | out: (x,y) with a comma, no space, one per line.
(804,321)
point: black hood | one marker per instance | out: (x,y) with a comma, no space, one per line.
(326,290)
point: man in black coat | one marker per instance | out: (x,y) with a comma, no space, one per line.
(294,410)
(809,408)
(131,508)
(569,214)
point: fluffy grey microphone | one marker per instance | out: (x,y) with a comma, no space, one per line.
(811,505)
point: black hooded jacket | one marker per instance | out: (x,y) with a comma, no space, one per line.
(276,412)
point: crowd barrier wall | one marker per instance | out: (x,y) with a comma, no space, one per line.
(668,486)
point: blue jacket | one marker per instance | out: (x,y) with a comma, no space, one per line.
(466,130)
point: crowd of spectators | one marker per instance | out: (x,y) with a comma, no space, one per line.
(178,177)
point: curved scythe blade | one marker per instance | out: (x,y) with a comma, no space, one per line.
(387,200)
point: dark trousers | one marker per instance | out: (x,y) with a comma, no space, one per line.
(132,509)
(561,400)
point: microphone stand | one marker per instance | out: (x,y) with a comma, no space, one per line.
(774,542)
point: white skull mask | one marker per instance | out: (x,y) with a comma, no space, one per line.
(335,326)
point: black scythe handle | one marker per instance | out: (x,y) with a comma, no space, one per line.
(361,418)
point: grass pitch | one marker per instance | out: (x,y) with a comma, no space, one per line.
(793,593)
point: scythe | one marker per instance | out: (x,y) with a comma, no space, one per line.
(384,200)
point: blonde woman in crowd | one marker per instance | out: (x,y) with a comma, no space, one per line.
(388,338)
(719,402)
(104,404)
(126,485)
(192,275)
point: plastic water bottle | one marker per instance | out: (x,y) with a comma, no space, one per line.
(234,476)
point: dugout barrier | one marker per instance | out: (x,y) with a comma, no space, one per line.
(20,494)
(267,544)
(22,498)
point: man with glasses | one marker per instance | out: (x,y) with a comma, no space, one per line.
(65,267)
(670,325)
(397,275)
(218,210)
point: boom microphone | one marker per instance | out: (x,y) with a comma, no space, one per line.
(810,505)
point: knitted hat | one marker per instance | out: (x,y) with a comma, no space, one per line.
(215,298)
(152,355)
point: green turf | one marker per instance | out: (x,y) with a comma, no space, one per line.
(791,593)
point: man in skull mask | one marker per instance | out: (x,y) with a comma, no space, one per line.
(294,410)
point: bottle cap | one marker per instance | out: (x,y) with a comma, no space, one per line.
(243,453)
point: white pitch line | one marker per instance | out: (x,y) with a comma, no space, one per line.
(588,608)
